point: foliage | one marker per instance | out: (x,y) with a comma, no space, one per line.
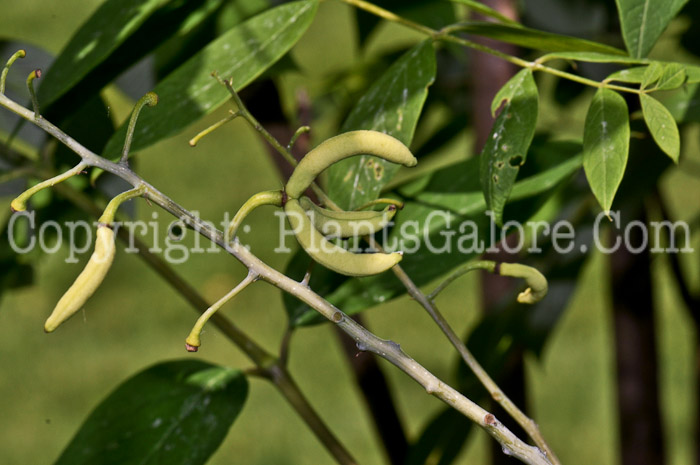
(180,411)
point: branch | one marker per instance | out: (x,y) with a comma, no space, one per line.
(264,361)
(365,340)
(496,392)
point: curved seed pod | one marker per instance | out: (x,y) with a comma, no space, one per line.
(261,198)
(344,146)
(87,282)
(330,255)
(535,280)
(347,224)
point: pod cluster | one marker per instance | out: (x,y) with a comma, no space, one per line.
(313,225)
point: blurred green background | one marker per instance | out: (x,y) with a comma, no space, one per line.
(49,383)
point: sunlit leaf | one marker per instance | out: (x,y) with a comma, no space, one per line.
(112,24)
(662,126)
(606,145)
(243,53)
(658,75)
(643,21)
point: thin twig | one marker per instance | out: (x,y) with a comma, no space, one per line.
(494,390)
(441,35)
(284,151)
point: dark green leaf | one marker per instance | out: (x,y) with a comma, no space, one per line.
(112,23)
(606,145)
(533,38)
(243,53)
(643,21)
(391,105)
(662,126)
(174,413)
(506,147)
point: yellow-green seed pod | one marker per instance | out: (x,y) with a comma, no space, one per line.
(330,255)
(347,223)
(344,146)
(87,282)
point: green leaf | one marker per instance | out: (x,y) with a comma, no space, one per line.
(592,57)
(243,53)
(631,75)
(662,126)
(486,11)
(658,75)
(463,194)
(391,105)
(606,145)
(112,23)
(174,413)
(506,147)
(533,38)
(693,74)
(652,74)
(170,21)
(663,76)
(643,21)
(673,76)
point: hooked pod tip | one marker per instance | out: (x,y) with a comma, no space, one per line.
(151,99)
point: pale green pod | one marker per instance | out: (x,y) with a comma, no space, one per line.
(535,280)
(87,281)
(347,223)
(261,198)
(343,146)
(330,255)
